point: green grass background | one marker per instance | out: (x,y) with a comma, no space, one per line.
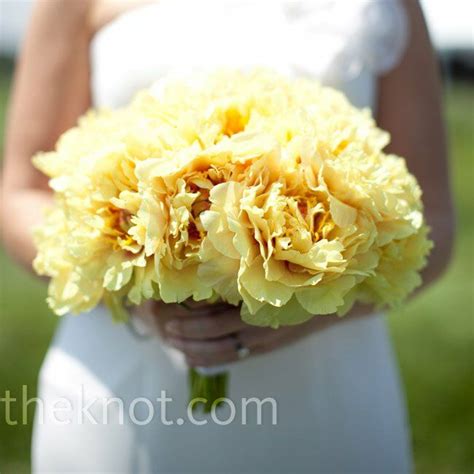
(433,335)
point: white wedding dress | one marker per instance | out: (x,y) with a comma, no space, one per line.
(339,404)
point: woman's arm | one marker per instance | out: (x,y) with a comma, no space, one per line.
(50,90)
(410,108)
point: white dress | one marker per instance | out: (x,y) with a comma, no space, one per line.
(339,406)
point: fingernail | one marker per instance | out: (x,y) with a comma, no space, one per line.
(173,327)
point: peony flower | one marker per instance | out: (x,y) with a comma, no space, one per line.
(251,188)
(84,244)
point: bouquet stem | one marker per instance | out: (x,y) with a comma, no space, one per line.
(209,388)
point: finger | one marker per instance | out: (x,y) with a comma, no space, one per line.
(209,361)
(206,327)
(190,308)
(260,340)
(208,348)
(161,313)
(166,310)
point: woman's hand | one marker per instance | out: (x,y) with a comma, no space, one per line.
(213,334)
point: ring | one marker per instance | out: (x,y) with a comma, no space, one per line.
(242,351)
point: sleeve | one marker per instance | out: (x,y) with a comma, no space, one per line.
(340,38)
(383,35)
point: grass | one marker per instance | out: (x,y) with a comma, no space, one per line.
(433,335)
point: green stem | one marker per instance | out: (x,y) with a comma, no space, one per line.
(209,387)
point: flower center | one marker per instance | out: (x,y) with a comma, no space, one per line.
(316,216)
(234,122)
(118,222)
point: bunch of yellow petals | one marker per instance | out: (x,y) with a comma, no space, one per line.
(251,188)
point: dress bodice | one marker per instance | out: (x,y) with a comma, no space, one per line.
(343,43)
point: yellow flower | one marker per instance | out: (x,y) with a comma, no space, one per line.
(248,187)
(85,245)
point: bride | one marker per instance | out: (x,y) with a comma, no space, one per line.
(325,396)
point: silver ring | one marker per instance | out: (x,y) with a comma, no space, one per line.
(242,351)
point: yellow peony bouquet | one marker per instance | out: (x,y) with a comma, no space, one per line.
(250,188)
